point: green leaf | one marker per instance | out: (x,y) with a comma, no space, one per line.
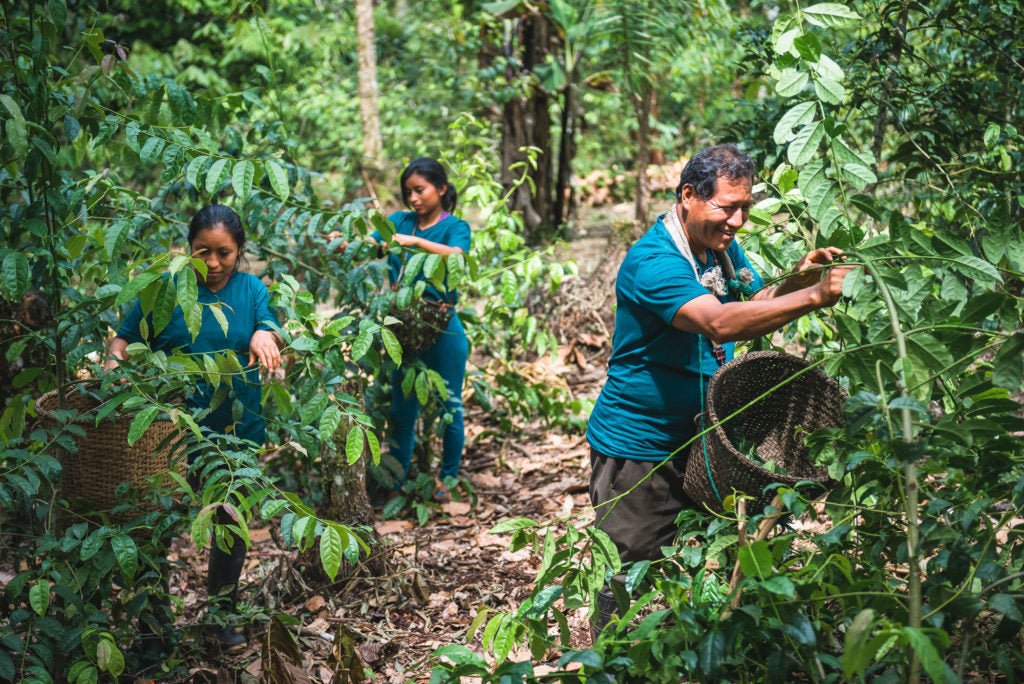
(330,551)
(978,269)
(241,178)
(354,444)
(636,575)
(329,422)
(201,526)
(857,655)
(756,559)
(805,144)
(512,525)
(269,509)
(141,422)
(115,235)
(829,90)
(16,275)
(710,651)
(194,168)
(278,178)
(859,175)
(929,353)
(826,67)
(163,308)
(929,656)
(1006,605)
(188,300)
(362,344)
(808,47)
(374,444)
(509,288)
(830,15)
(800,628)
(791,82)
(222,320)
(992,133)
(71,127)
(783,44)
(134,286)
(422,388)
(780,585)
(39,597)
(795,117)
(127,555)
(457,653)
(17,133)
(217,174)
(109,657)
(150,152)
(391,345)
(1008,365)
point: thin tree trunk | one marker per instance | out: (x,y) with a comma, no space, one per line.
(642,102)
(566,152)
(526,122)
(368,106)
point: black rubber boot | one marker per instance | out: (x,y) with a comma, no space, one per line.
(607,606)
(225,569)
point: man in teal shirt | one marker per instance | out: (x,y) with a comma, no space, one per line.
(685,293)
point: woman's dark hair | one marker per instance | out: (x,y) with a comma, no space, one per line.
(210,216)
(214,215)
(707,166)
(434,174)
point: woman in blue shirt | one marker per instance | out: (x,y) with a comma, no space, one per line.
(430,227)
(216,236)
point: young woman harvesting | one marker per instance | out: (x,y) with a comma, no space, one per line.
(217,238)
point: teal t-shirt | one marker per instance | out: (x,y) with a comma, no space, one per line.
(245,304)
(450,231)
(647,406)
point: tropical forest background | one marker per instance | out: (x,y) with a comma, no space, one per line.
(888,128)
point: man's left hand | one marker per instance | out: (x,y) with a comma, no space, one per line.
(809,269)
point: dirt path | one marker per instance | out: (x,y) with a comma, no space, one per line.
(444,571)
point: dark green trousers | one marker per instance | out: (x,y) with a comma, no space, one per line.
(643,521)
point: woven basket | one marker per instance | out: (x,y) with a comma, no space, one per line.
(104,460)
(776,425)
(423,323)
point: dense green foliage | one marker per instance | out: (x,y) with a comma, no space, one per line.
(887,129)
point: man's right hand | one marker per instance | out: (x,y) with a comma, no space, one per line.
(830,287)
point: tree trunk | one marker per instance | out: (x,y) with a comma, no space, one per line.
(368,107)
(345,501)
(525,122)
(566,152)
(642,103)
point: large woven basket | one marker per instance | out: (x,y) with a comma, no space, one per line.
(776,425)
(104,460)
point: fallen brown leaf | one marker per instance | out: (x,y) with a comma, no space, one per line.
(386,527)
(456,507)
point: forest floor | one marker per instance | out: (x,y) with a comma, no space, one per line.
(442,572)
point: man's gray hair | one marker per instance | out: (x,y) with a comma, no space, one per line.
(707,166)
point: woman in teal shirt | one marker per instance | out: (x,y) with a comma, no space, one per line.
(431,228)
(216,236)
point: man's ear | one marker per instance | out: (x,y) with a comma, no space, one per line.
(687,195)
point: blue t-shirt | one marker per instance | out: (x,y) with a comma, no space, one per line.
(245,304)
(450,231)
(646,409)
